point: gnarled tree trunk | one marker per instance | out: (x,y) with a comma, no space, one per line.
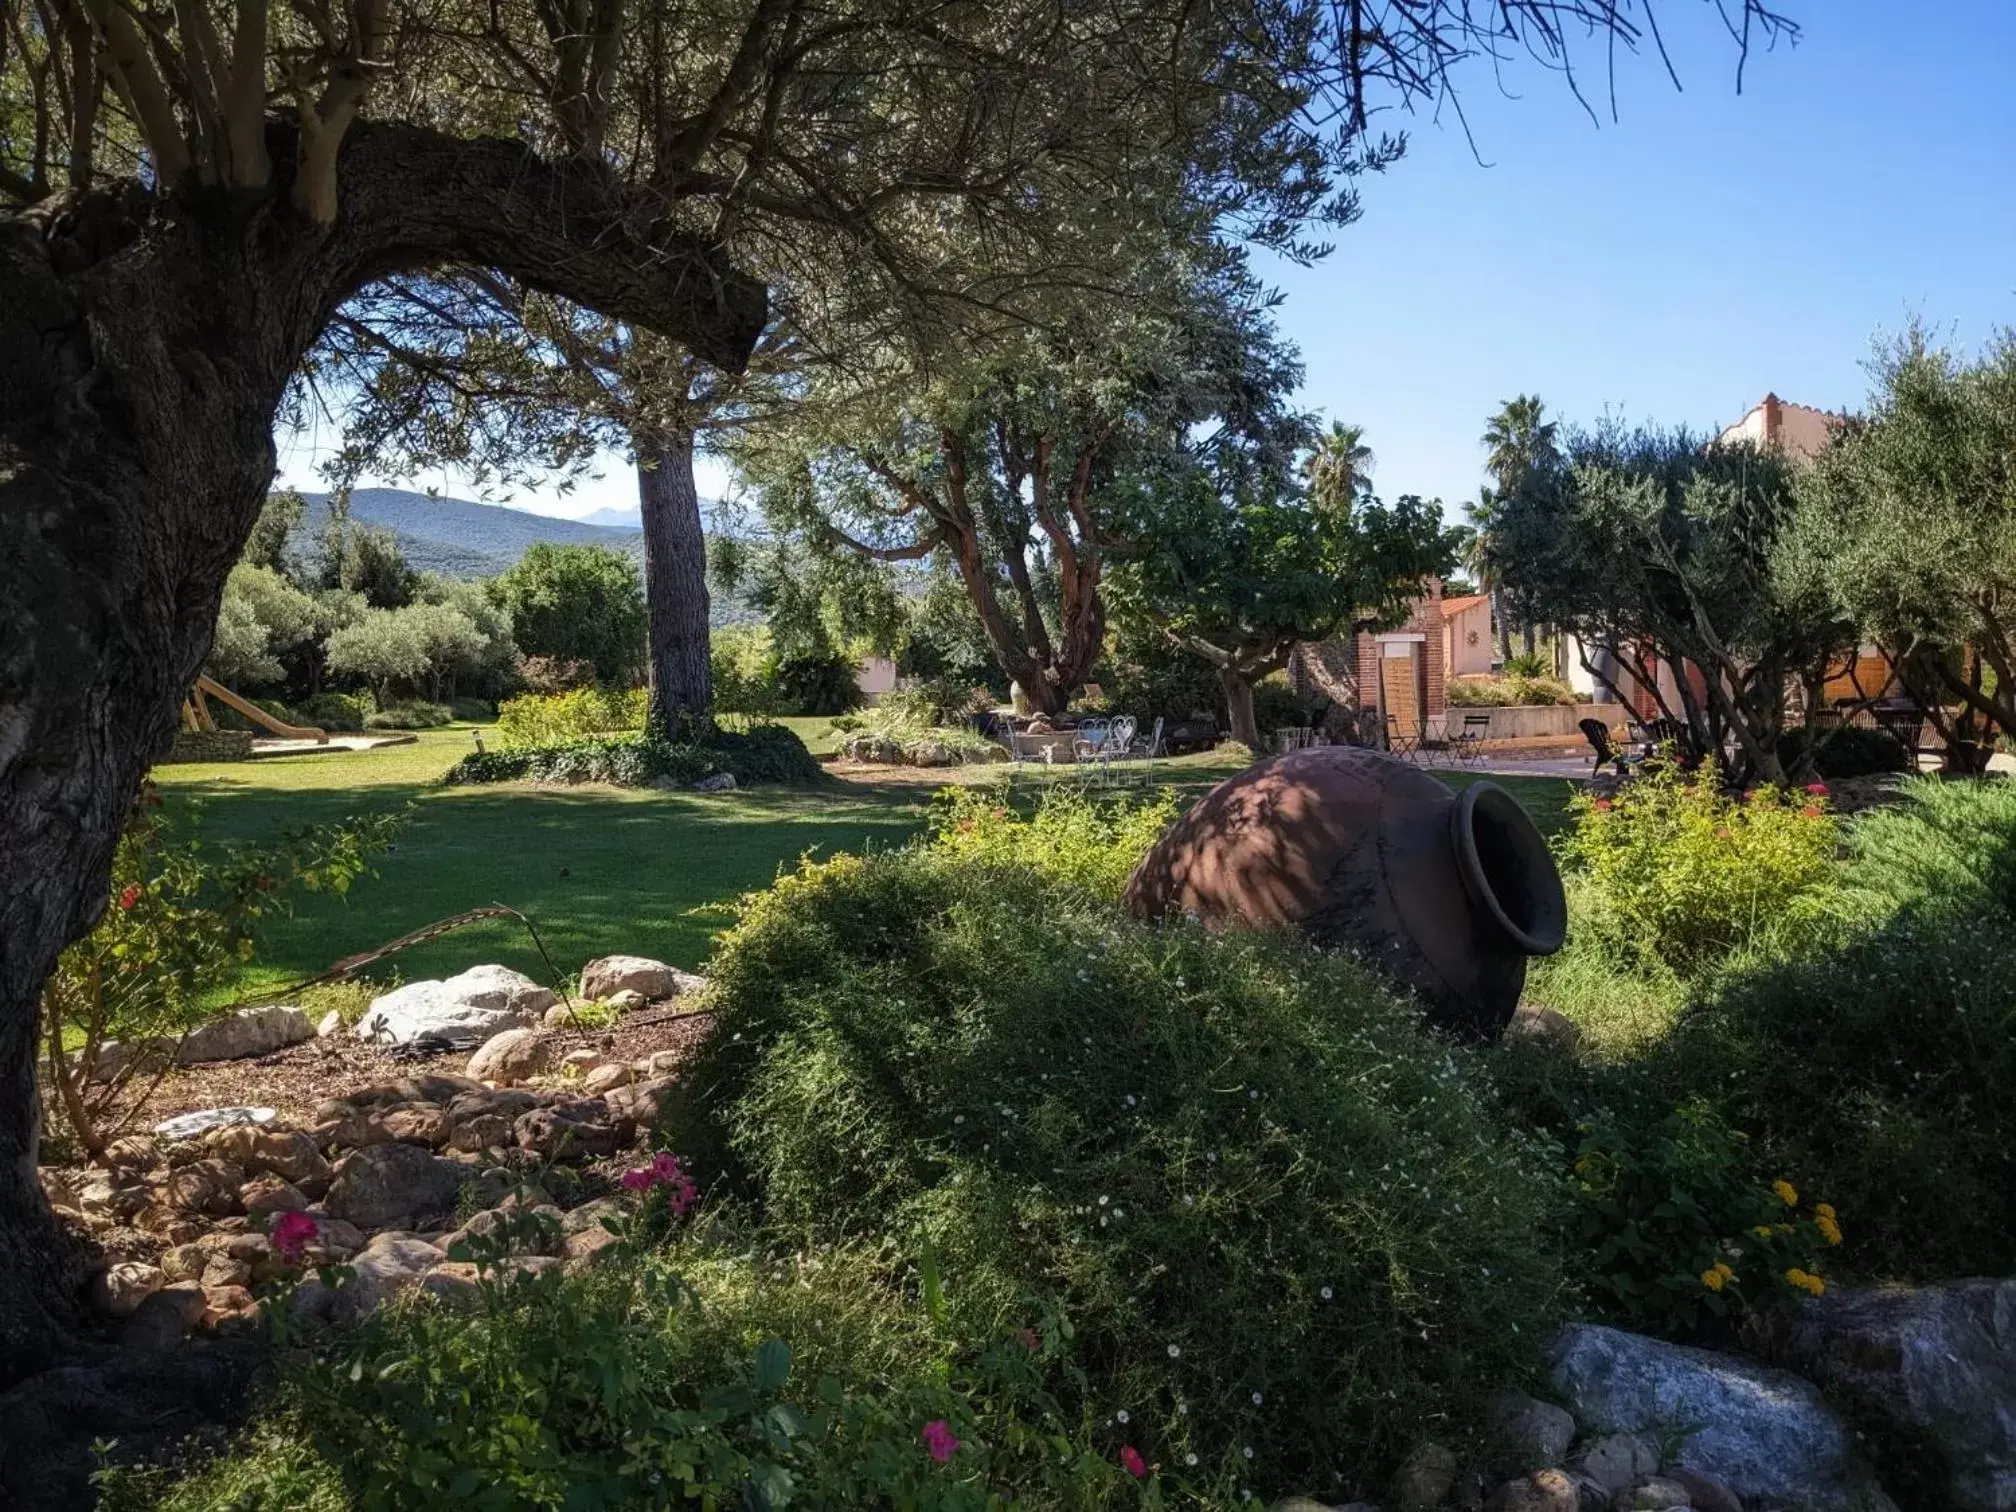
(145,343)
(1242,724)
(675,581)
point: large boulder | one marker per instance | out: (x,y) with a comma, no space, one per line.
(601,979)
(387,1266)
(1938,1362)
(1765,1434)
(250,1031)
(383,1184)
(463,1010)
(516,1055)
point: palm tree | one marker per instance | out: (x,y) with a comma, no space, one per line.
(1481,563)
(1519,446)
(1339,465)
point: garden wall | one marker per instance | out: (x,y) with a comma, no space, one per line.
(1529,722)
(210,745)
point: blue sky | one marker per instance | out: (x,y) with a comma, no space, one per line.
(1674,264)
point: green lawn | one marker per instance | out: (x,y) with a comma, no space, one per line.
(598,869)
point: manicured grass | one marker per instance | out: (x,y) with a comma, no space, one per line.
(597,869)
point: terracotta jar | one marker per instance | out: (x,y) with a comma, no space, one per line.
(1447,892)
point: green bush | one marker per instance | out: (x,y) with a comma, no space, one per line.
(1514,690)
(338,711)
(473,710)
(1680,873)
(903,727)
(1072,838)
(542,719)
(765,753)
(1848,752)
(1250,1203)
(817,682)
(1877,1065)
(409,716)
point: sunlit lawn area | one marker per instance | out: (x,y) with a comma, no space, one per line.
(598,869)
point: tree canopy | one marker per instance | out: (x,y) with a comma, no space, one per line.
(577,603)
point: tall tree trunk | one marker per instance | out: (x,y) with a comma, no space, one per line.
(145,345)
(675,581)
(1243,726)
(1526,637)
(1504,625)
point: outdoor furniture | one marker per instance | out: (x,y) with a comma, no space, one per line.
(1091,741)
(1400,743)
(1294,738)
(1598,736)
(1665,732)
(1906,726)
(1468,743)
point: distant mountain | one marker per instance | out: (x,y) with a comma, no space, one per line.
(460,538)
(631,518)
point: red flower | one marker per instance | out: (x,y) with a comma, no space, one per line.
(1601,805)
(1811,811)
(130,896)
(291,1233)
(938,1440)
(1817,789)
(1132,1463)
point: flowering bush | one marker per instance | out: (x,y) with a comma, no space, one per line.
(1248,1207)
(181,919)
(1673,1228)
(1069,837)
(1675,870)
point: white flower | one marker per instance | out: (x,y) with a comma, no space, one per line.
(1119,1212)
(1189,1459)
(959,1118)
(1121,1415)
(1258,1399)
(1247,1451)
(1175,1351)
(1130,1099)
(1324,1293)
(1104,1199)
(1183,1407)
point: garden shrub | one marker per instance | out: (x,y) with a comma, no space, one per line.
(1249,1203)
(473,710)
(765,753)
(541,719)
(344,712)
(1678,872)
(414,715)
(1069,837)
(1512,690)
(1849,752)
(903,727)
(1877,1065)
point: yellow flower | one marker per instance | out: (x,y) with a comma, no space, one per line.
(1712,1279)
(1825,1210)
(1805,1281)
(1787,1193)
(1829,1229)
(1762,1231)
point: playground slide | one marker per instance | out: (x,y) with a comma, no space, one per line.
(214,689)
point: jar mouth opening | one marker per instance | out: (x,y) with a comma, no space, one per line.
(1507,869)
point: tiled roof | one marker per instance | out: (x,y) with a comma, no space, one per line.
(1455,606)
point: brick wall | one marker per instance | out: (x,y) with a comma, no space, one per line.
(1426,621)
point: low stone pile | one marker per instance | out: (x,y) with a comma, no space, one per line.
(392,1175)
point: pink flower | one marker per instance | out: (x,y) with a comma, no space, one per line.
(638,1180)
(939,1441)
(1132,1463)
(291,1233)
(1601,805)
(1029,1340)
(664,1170)
(129,897)
(1817,789)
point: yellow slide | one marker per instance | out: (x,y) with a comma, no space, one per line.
(196,713)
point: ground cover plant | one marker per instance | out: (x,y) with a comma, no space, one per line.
(1230,1179)
(761,753)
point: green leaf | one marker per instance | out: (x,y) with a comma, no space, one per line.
(773,1364)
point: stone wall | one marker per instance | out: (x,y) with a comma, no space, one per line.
(210,745)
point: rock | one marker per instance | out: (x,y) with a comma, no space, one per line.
(332,1110)
(663,1062)
(554,1135)
(189,1125)
(287,1153)
(1531,1021)
(1705,1493)
(250,1031)
(629,1000)
(415,1124)
(507,1101)
(605,1079)
(164,1318)
(1424,1479)
(587,1241)
(169,1225)
(112,1197)
(719,782)
(1936,1362)
(643,1102)
(223,1303)
(483,1001)
(1533,1433)
(206,1186)
(266,1195)
(562,1016)
(516,1055)
(387,1266)
(1542,1491)
(1766,1435)
(1617,1461)
(452,1283)
(604,978)
(1658,1494)
(330,1026)
(514,1230)
(184,1262)
(226,1270)
(485,1131)
(334,1239)
(133,1152)
(581,1062)
(119,1291)
(375,1186)
(357,1132)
